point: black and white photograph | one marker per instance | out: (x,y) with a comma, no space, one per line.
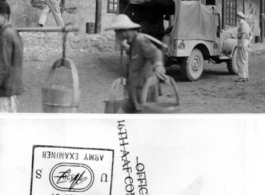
(132,56)
(132,97)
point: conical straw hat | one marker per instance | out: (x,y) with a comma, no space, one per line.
(240,14)
(122,21)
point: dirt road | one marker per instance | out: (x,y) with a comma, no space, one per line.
(215,92)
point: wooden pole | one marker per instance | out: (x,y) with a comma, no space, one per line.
(171,20)
(223,14)
(98,16)
(262,6)
(70,28)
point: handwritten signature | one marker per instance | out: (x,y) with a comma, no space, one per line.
(73,179)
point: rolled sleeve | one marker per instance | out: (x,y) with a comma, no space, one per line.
(251,33)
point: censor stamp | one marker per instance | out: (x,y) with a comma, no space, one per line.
(71,171)
(140,167)
(123,138)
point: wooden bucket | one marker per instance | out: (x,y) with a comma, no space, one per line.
(113,104)
(160,107)
(57,98)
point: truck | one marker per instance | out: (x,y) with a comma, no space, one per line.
(195,36)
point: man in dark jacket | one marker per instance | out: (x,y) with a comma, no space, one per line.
(146,61)
(11,59)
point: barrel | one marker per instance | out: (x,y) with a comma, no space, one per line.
(58,98)
(160,107)
(113,104)
(90,28)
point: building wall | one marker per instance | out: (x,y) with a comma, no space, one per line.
(24,15)
(253,17)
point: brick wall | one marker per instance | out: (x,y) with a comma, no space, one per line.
(24,15)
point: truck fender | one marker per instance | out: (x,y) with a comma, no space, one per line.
(229,46)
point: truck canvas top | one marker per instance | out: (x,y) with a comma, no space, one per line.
(195,21)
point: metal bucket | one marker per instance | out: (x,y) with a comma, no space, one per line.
(160,107)
(57,98)
(113,104)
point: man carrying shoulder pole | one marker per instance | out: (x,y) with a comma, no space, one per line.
(145,61)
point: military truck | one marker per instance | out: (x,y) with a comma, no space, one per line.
(196,36)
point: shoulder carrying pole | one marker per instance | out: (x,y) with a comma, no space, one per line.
(67,28)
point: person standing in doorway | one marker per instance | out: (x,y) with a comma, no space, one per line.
(11,60)
(244,37)
(54,7)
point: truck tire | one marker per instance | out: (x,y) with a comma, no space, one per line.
(192,67)
(231,64)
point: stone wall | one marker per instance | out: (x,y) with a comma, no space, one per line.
(44,46)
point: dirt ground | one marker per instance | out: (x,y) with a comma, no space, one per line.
(215,92)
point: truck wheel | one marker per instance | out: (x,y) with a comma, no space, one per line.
(192,67)
(231,64)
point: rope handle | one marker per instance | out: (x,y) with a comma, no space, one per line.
(65,38)
(114,88)
(153,80)
(69,64)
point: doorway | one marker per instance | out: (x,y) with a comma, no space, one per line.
(210,2)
